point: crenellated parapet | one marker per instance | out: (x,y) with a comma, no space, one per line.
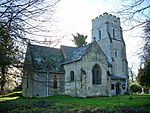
(107,17)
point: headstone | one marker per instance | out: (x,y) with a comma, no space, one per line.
(142,91)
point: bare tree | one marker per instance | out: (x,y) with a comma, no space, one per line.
(132,74)
(27,17)
(136,15)
(146,37)
(25,21)
(134,12)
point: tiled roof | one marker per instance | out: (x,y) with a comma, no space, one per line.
(46,59)
(74,53)
(117,77)
(68,50)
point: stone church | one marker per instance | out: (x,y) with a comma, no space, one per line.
(97,69)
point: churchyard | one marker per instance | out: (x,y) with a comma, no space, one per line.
(15,103)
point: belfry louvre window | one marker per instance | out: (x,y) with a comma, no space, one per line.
(100,36)
(72,76)
(114,33)
(96,75)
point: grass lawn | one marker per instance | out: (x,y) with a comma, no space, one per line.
(14,103)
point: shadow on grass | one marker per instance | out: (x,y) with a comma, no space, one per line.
(68,104)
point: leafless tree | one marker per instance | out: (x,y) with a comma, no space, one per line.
(27,18)
(132,74)
(26,21)
(134,12)
(136,15)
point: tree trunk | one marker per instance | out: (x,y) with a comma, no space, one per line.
(3,80)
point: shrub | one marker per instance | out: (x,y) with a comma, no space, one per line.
(135,87)
(146,90)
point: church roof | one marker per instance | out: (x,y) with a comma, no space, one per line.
(74,53)
(46,59)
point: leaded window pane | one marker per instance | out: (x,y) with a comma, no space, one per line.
(96,75)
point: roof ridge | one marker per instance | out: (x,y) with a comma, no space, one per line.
(68,46)
(76,54)
(43,46)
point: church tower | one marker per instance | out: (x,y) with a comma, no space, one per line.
(106,30)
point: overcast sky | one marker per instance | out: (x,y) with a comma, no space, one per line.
(75,16)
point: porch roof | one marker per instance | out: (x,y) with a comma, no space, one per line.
(117,77)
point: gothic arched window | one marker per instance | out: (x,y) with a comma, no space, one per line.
(96,75)
(72,76)
(55,82)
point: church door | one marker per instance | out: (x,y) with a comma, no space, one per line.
(118,90)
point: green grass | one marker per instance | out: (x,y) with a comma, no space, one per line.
(14,103)
(104,102)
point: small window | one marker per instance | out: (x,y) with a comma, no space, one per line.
(99,34)
(113,33)
(123,86)
(112,86)
(72,76)
(116,54)
(55,82)
(108,73)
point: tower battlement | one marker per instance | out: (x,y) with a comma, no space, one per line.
(106,17)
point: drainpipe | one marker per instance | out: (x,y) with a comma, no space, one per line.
(47,83)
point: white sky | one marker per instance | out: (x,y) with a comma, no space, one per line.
(75,16)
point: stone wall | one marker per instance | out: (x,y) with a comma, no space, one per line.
(118,52)
(42,85)
(106,23)
(27,84)
(85,87)
(108,33)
